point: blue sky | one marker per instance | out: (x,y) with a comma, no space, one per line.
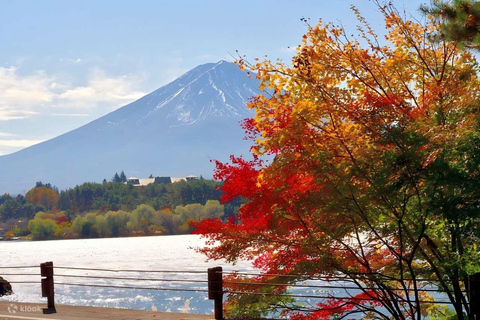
(66,63)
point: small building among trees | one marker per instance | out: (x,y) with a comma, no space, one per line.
(141,182)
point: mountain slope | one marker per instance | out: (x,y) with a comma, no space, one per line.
(173,131)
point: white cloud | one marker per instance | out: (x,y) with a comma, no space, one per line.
(12,114)
(6,135)
(22,143)
(9,146)
(20,94)
(24,96)
(53,98)
(102,88)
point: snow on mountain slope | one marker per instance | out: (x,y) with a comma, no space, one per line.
(175,130)
(210,90)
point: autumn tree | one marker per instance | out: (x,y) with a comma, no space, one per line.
(374,177)
(44,196)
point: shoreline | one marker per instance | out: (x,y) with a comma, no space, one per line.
(27,238)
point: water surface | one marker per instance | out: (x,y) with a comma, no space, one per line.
(174,253)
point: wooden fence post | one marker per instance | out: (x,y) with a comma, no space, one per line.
(46,272)
(474,295)
(215,290)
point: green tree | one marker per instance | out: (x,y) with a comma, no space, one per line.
(117,222)
(213,209)
(116,178)
(9,208)
(102,227)
(26,211)
(86,226)
(141,218)
(192,211)
(197,212)
(167,219)
(123,177)
(461,20)
(42,229)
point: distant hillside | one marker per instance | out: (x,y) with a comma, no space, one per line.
(173,131)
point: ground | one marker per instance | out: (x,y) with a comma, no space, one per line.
(33,311)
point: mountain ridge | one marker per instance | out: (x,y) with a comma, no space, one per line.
(175,130)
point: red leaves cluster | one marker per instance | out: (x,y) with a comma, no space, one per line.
(331,307)
(272,213)
(239,177)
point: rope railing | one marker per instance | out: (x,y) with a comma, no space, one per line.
(326,297)
(244,285)
(354,276)
(330,287)
(129,287)
(18,267)
(130,270)
(130,278)
(299,277)
(20,274)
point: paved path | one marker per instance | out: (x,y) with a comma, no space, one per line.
(33,311)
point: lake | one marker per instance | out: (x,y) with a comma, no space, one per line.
(139,253)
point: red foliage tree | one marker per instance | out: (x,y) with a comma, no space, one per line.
(374,177)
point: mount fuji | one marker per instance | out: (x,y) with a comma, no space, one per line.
(173,131)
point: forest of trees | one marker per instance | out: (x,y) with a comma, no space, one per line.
(40,198)
(143,220)
(93,196)
(112,209)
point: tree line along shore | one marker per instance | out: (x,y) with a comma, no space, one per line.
(111,209)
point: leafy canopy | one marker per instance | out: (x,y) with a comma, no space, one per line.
(460,21)
(375,175)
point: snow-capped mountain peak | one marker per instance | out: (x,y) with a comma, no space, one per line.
(173,131)
(213,90)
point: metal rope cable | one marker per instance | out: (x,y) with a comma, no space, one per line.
(20,274)
(323,278)
(146,271)
(228,292)
(203,290)
(324,297)
(329,278)
(235,272)
(129,287)
(326,287)
(19,267)
(226,282)
(130,278)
